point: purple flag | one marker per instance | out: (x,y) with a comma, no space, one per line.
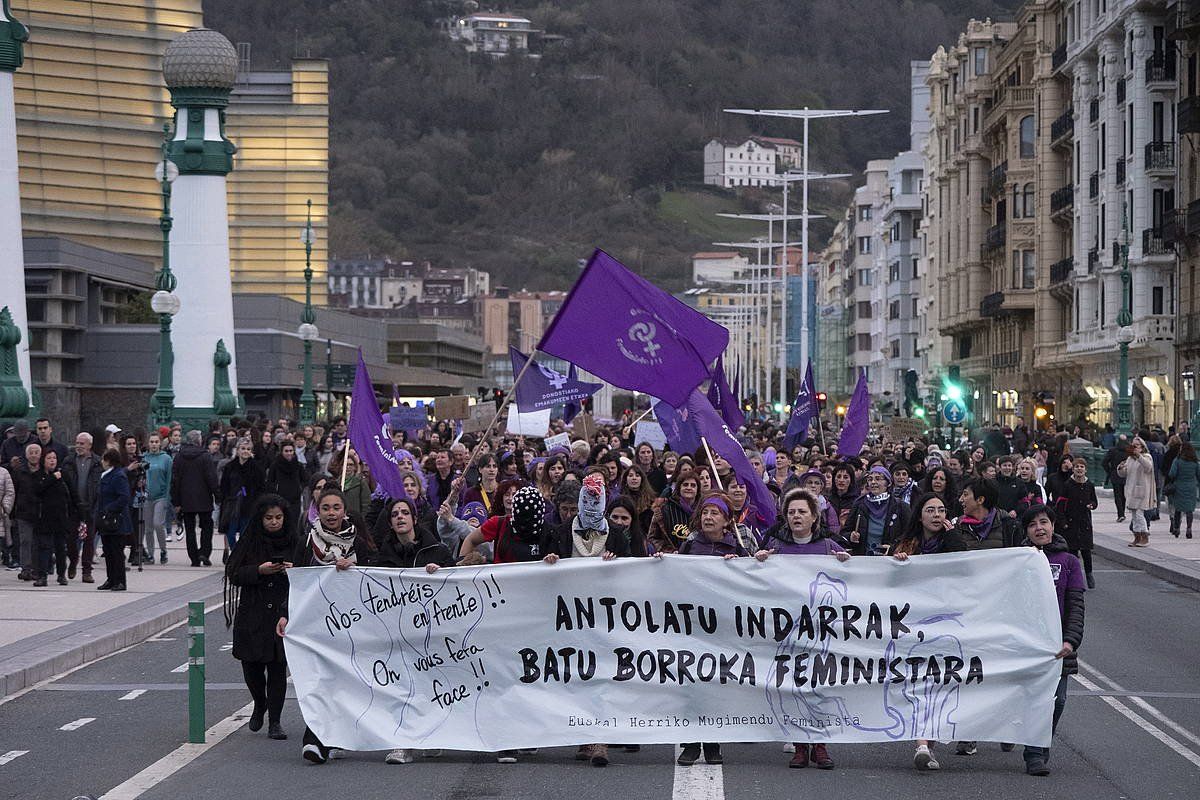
(542,387)
(681,434)
(721,441)
(626,330)
(804,411)
(722,399)
(858,420)
(369,434)
(737,387)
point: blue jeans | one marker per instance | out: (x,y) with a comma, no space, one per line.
(1060,702)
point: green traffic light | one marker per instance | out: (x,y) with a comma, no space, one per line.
(919,413)
(954,392)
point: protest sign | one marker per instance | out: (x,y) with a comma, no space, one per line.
(453,407)
(561,441)
(528,423)
(901,429)
(685,648)
(651,433)
(478,417)
(404,418)
(584,425)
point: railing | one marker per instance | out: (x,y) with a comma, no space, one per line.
(1120,90)
(996,236)
(1062,198)
(1093,260)
(997,177)
(1094,185)
(1160,67)
(1060,271)
(1094,110)
(1007,360)
(1187,329)
(1063,126)
(1121,171)
(1174,226)
(1193,218)
(1058,57)
(1160,155)
(1154,243)
(990,305)
(1189,115)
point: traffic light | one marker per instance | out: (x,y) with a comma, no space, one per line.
(919,412)
(498,397)
(822,399)
(1043,411)
(952,385)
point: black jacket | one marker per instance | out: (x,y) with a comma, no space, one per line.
(559,540)
(287,479)
(427,549)
(1012,491)
(70,470)
(895,522)
(241,484)
(26,507)
(59,508)
(194,481)
(262,600)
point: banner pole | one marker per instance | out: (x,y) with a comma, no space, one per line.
(644,414)
(821,431)
(711,463)
(345,461)
(503,405)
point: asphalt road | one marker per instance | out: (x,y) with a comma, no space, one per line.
(1131,730)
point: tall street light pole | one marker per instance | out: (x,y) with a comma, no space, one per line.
(164,301)
(1125,333)
(308,330)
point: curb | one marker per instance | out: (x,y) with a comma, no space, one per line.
(29,661)
(1179,571)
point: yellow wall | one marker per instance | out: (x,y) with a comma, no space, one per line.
(282,161)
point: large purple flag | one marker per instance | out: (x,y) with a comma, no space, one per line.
(626,330)
(370,437)
(543,387)
(681,434)
(708,424)
(858,420)
(804,411)
(723,399)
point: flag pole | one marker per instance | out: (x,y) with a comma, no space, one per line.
(821,432)
(503,405)
(712,463)
(345,462)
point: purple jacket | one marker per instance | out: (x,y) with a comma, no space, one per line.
(698,545)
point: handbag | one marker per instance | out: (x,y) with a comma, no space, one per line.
(108,522)
(1169,489)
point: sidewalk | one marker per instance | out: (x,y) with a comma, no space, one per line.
(1173,560)
(46,631)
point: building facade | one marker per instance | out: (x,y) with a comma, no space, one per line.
(1183,24)
(732,163)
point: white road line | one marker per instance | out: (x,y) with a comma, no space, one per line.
(1142,704)
(1144,724)
(697,782)
(227,646)
(133,695)
(181,668)
(177,759)
(77,724)
(11,755)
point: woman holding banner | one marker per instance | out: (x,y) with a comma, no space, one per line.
(669,523)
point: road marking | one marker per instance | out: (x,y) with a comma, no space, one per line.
(165,638)
(227,646)
(181,668)
(11,755)
(697,782)
(77,724)
(133,695)
(179,758)
(1144,724)
(1142,704)
(1116,570)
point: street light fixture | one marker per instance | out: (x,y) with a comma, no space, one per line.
(308,331)
(1125,332)
(164,301)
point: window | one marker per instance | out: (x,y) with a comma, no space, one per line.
(864,213)
(1027,137)
(895,348)
(864,245)
(894,271)
(1027,200)
(864,277)
(916,268)
(894,310)
(864,341)
(980,54)
(1156,300)
(1024,268)
(864,309)
(915,314)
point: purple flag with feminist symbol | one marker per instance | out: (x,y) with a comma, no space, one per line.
(804,411)
(624,329)
(542,387)
(858,420)
(708,424)
(369,435)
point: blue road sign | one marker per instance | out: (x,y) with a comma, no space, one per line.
(954,412)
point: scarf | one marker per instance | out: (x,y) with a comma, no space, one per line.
(591,504)
(587,542)
(931,545)
(876,504)
(980,528)
(328,546)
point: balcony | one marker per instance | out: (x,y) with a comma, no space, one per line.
(1062,201)
(1154,243)
(1160,157)
(1094,110)
(1159,328)
(1193,218)
(996,179)
(997,235)
(990,305)
(1189,115)
(1160,67)
(1187,329)
(1058,57)
(1184,22)
(1120,91)
(1060,271)
(1094,185)
(1009,360)
(1062,129)
(1121,171)
(1174,226)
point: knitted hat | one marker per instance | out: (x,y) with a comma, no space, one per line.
(591,502)
(474,512)
(881,470)
(528,513)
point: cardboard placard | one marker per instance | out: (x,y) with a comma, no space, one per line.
(528,423)
(478,417)
(902,428)
(651,433)
(453,407)
(584,426)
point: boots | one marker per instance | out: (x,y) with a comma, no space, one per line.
(689,755)
(599,755)
(800,759)
(820,757)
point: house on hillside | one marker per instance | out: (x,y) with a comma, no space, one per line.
(708,268)
(787,151)
(492,33)
(729,163)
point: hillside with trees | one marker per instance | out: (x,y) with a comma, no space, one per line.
(521,165)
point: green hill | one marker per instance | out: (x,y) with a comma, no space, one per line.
(521,166)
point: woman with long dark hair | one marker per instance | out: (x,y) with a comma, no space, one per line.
(287,477)
(939,481)
(256,596)
(635,485)
(671,522)
(486,492)
(843,492)
(57,519)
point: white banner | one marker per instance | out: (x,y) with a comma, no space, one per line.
(798,648)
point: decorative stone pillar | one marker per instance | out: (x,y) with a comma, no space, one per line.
(16,384)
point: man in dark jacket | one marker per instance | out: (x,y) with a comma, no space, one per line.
(82,470)
(12,449)
(26,510)
(1012,488)
(1069,585)
(45,437)
(1112,459)
(193,490)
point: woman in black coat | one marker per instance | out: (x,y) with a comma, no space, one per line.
(242,481)
(112,519)
(287,477)
(405,544)
(256,597)
(56,522)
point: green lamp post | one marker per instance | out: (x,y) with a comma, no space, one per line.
(164,301)
(1125,333)
(308,330)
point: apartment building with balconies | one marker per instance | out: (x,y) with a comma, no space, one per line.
(1183,28)
(863,290)
(829,368)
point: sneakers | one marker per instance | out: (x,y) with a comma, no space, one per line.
(788,747)
(690,755)
(400,756)
(712,754)
(313,753)
(163,558)
(1037,767)
(40,580)
(820,757)
(62,580)
(506,757)
(337,753)
(71,572)
(800,759)
(87,578)
(966,749)
(924,760)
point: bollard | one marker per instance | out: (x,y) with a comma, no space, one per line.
(196,672)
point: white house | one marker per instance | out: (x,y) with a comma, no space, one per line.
(494,34)
(787,151)
(730,163)
(718,267)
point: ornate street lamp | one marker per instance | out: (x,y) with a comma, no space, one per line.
(1125,333)
(164,301)
(308,331)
